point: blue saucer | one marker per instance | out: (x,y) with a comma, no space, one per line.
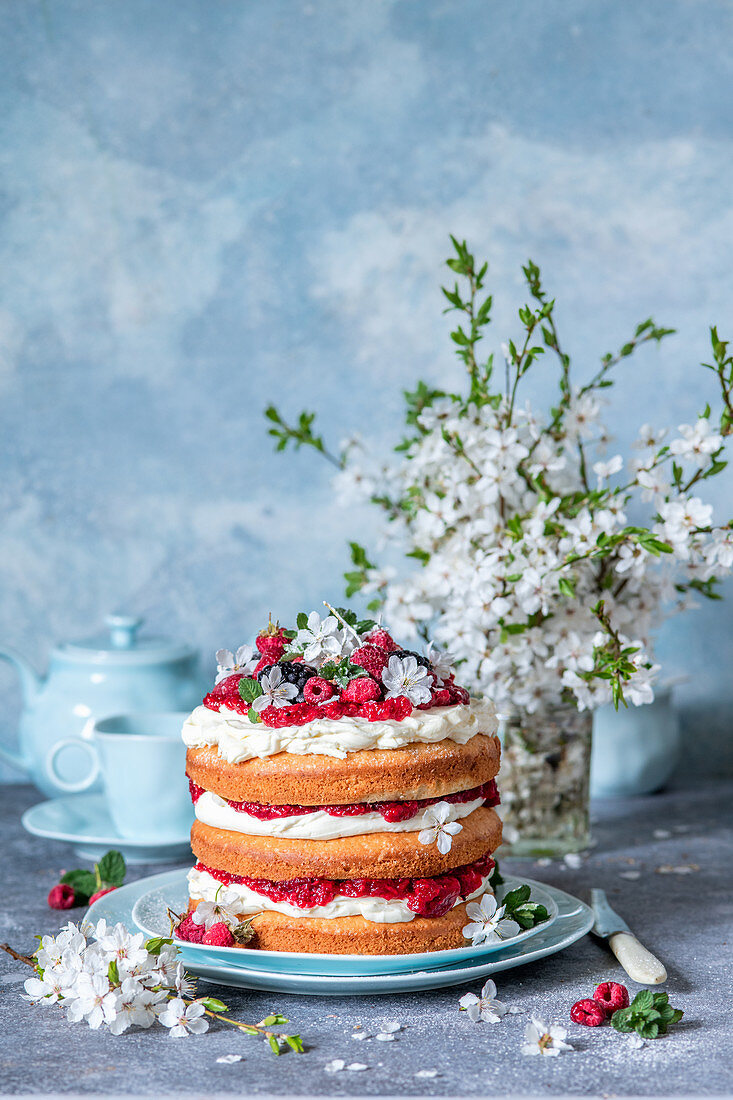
(83,820)
(351,975)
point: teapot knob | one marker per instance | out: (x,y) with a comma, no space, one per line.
(122,630)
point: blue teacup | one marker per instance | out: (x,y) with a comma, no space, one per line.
(143,763)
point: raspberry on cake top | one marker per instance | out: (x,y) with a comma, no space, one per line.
(335,685)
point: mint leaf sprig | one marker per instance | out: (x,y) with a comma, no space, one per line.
(518,907)
(108,874)
(649,1014)
(251,689)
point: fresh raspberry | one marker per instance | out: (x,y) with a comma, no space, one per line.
(361,690)
(272,643)
(382,639)
(372,658)
(101,893)
(190,931)
(317,690)
(218,936)
(610,996)
(226,694)
(459,695)
(588,1012)
(443,697)
(390,710)
(61,896)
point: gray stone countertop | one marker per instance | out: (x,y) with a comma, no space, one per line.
(684,918)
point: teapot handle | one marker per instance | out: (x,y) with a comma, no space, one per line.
(64,784)
(30,682)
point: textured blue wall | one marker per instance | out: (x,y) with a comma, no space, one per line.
(207,205)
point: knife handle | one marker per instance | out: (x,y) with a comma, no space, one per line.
(639,964)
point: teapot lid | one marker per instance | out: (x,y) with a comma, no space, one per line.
(122,646)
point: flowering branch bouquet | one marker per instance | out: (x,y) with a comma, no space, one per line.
(523,558)
(108,977)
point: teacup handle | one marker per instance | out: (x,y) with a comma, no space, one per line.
(80,784)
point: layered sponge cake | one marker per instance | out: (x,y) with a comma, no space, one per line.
(344,792)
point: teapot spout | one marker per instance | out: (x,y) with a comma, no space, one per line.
(30,681)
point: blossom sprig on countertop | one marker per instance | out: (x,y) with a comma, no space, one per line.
(519,552)
(109,977)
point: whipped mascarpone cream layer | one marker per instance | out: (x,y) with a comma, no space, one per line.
(204,887)
(319,825)
(238,739)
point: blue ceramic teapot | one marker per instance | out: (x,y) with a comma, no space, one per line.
(116,673)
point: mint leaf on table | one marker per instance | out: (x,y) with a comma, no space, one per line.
(83,883)
(111,869)
(649,1014)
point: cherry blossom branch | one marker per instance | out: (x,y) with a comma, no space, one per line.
(27,959)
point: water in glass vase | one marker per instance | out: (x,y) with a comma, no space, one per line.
(545,781)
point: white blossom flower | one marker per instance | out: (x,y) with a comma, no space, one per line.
(485,1007)
(681,518)
(404,676)
(541,1039)
(227,663)
(321,639)
(229,1059)
(182,983)
(654,483)
(439,830)
(488,923)
(276,692)
(649,438)
(184,1019)
(335,1065)
(604,470)
(222,909)
(51,988)
(697,442)
(125,949)
(631,558)
(581,417)
(442,662)
(93,1000)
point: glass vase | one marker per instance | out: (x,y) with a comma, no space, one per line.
(545,781)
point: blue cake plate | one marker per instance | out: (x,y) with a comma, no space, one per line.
(138,905)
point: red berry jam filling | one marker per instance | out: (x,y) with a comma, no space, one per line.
(390,811)
(426,897)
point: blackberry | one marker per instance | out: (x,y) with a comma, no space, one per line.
(293,672)
(421,660)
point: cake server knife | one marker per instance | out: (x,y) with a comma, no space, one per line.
(639,964)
